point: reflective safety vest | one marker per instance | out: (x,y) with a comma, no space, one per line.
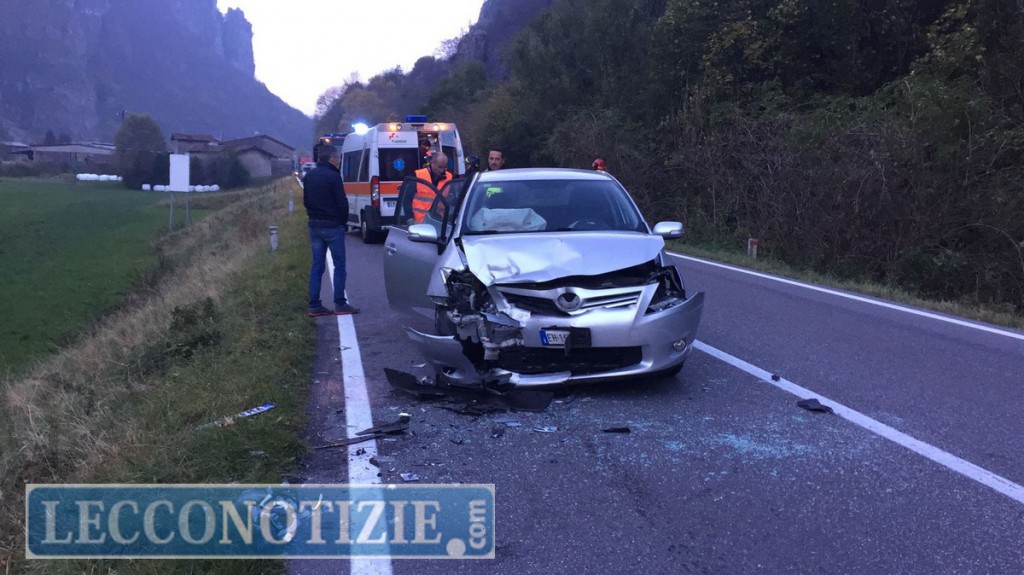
(424,197)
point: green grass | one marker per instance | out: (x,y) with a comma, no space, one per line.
(69,252)
(1002,315)
(221,330)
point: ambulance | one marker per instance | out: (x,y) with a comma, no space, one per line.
(375,161)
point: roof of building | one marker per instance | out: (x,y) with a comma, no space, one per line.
(75,149)
(253,141)
(182,137)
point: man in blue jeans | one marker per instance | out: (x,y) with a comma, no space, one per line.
(327,208)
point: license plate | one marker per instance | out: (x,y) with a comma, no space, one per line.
(390,203)
(554,337)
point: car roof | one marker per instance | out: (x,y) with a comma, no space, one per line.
(524,174)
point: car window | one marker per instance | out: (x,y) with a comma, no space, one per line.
(421,203)
(548,206)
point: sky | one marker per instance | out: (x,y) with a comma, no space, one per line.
(365,36)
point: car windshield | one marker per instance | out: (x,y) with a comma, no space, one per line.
(549,206)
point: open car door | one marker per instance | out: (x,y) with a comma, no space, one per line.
(408,264)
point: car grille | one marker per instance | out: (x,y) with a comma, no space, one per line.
(547,306)
(580,361)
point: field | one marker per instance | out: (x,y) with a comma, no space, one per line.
(68,253)
(209,323)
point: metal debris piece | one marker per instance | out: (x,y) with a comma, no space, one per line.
(546,429)
(380,460)
(775,377)
(256,453)
(391,428)
(814,405)
(407,382)
(616,430)
(471,400)
(508,422)
(230,420)
(409,477)
(350,441)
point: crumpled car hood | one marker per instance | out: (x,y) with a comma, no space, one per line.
(518,258)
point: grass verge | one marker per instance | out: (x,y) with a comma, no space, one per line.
(1003,316)
(222,331)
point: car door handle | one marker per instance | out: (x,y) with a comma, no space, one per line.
(392,250)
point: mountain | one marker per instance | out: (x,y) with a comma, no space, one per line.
(72,66)
(500,21)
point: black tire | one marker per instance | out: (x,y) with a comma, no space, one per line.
(371,237)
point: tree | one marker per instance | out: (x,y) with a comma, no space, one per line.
(138,142)
(50,139)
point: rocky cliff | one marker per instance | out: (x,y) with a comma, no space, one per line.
(500,21)
(72,66)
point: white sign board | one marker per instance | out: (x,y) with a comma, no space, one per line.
(179,173)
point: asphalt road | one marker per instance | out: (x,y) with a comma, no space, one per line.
(722,472)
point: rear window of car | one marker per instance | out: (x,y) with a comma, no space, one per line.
(550,206)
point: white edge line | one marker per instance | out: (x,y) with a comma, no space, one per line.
(943,458)
(880,303)
(358,416)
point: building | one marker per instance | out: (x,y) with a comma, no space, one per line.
(262,155)
(86,157)
(193,143)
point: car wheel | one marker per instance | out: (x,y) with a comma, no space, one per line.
(443,325)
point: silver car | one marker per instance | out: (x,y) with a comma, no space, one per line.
(538,277)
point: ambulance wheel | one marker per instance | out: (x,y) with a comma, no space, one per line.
(371,237)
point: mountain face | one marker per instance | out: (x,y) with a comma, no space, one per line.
(499,23)
(72,66)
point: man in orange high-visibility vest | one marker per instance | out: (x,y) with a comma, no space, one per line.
(436,173)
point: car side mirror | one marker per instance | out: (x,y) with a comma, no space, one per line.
(423,233)
(669,230)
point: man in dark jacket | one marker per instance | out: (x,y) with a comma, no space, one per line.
(327,208)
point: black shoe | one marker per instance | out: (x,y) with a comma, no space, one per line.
(319,311)
(345,309)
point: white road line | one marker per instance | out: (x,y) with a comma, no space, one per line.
(952,320)
(943,458)
(358,416)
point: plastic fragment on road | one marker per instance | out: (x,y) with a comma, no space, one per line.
(409,477)
(546,429)
(231,419)
(814,405)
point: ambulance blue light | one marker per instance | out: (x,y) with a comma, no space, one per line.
(360,128)
(416,119)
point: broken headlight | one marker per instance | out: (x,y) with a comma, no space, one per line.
(670,292)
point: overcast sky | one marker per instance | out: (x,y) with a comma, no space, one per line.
(365,36)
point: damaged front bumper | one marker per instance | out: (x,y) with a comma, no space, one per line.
(630,337)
